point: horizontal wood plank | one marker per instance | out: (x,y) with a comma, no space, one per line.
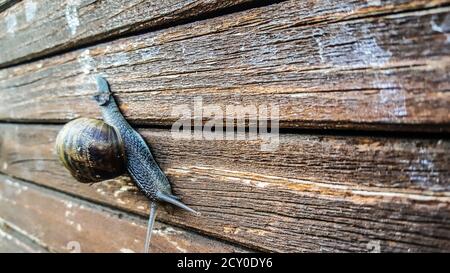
(12,242)
(5,4)
(323,68)
(35,28)
(9,244)
(313,193)
(65,224)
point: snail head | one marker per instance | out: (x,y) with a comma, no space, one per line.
(103,95)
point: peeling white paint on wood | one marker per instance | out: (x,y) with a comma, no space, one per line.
(17,185)
(72,15)
(443,27)
(167,234)
(375,3)
(87,63)
(121,58)
(126,250)
(358,52)
(100,191)
(68,204)
(30,10)
(122,190)
(11,23)
(149,53)
(391,102)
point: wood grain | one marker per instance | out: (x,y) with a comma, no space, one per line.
(314,193)
(323,68)
(5,4)
(62,224)
(12,242)
(11,245)
(45,27)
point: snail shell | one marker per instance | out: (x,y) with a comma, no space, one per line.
(91,150)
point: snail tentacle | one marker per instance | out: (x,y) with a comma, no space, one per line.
(173,201)
(151,222)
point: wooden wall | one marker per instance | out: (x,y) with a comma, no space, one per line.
(362,89)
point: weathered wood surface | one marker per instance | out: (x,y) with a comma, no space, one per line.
(9,244)
(13,242)
(5,4)
(64,224)
(315,193)
(362,71)
(35,28)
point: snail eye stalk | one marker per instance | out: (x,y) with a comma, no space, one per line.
(102,98)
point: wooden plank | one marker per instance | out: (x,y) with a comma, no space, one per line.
(5,4)
(35,28)
(9,244)
(65,224)
(314,193)
(381,72)
(12,242)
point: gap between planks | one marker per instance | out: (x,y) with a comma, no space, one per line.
(404,133)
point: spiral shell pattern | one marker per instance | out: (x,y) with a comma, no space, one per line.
(91,150)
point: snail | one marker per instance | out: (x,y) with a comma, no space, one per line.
(94,150)
(91,150)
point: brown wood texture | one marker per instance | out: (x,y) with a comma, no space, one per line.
(64,224)
(314,193)
(352,66)
(35,28)
(13,242)
(9,244)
